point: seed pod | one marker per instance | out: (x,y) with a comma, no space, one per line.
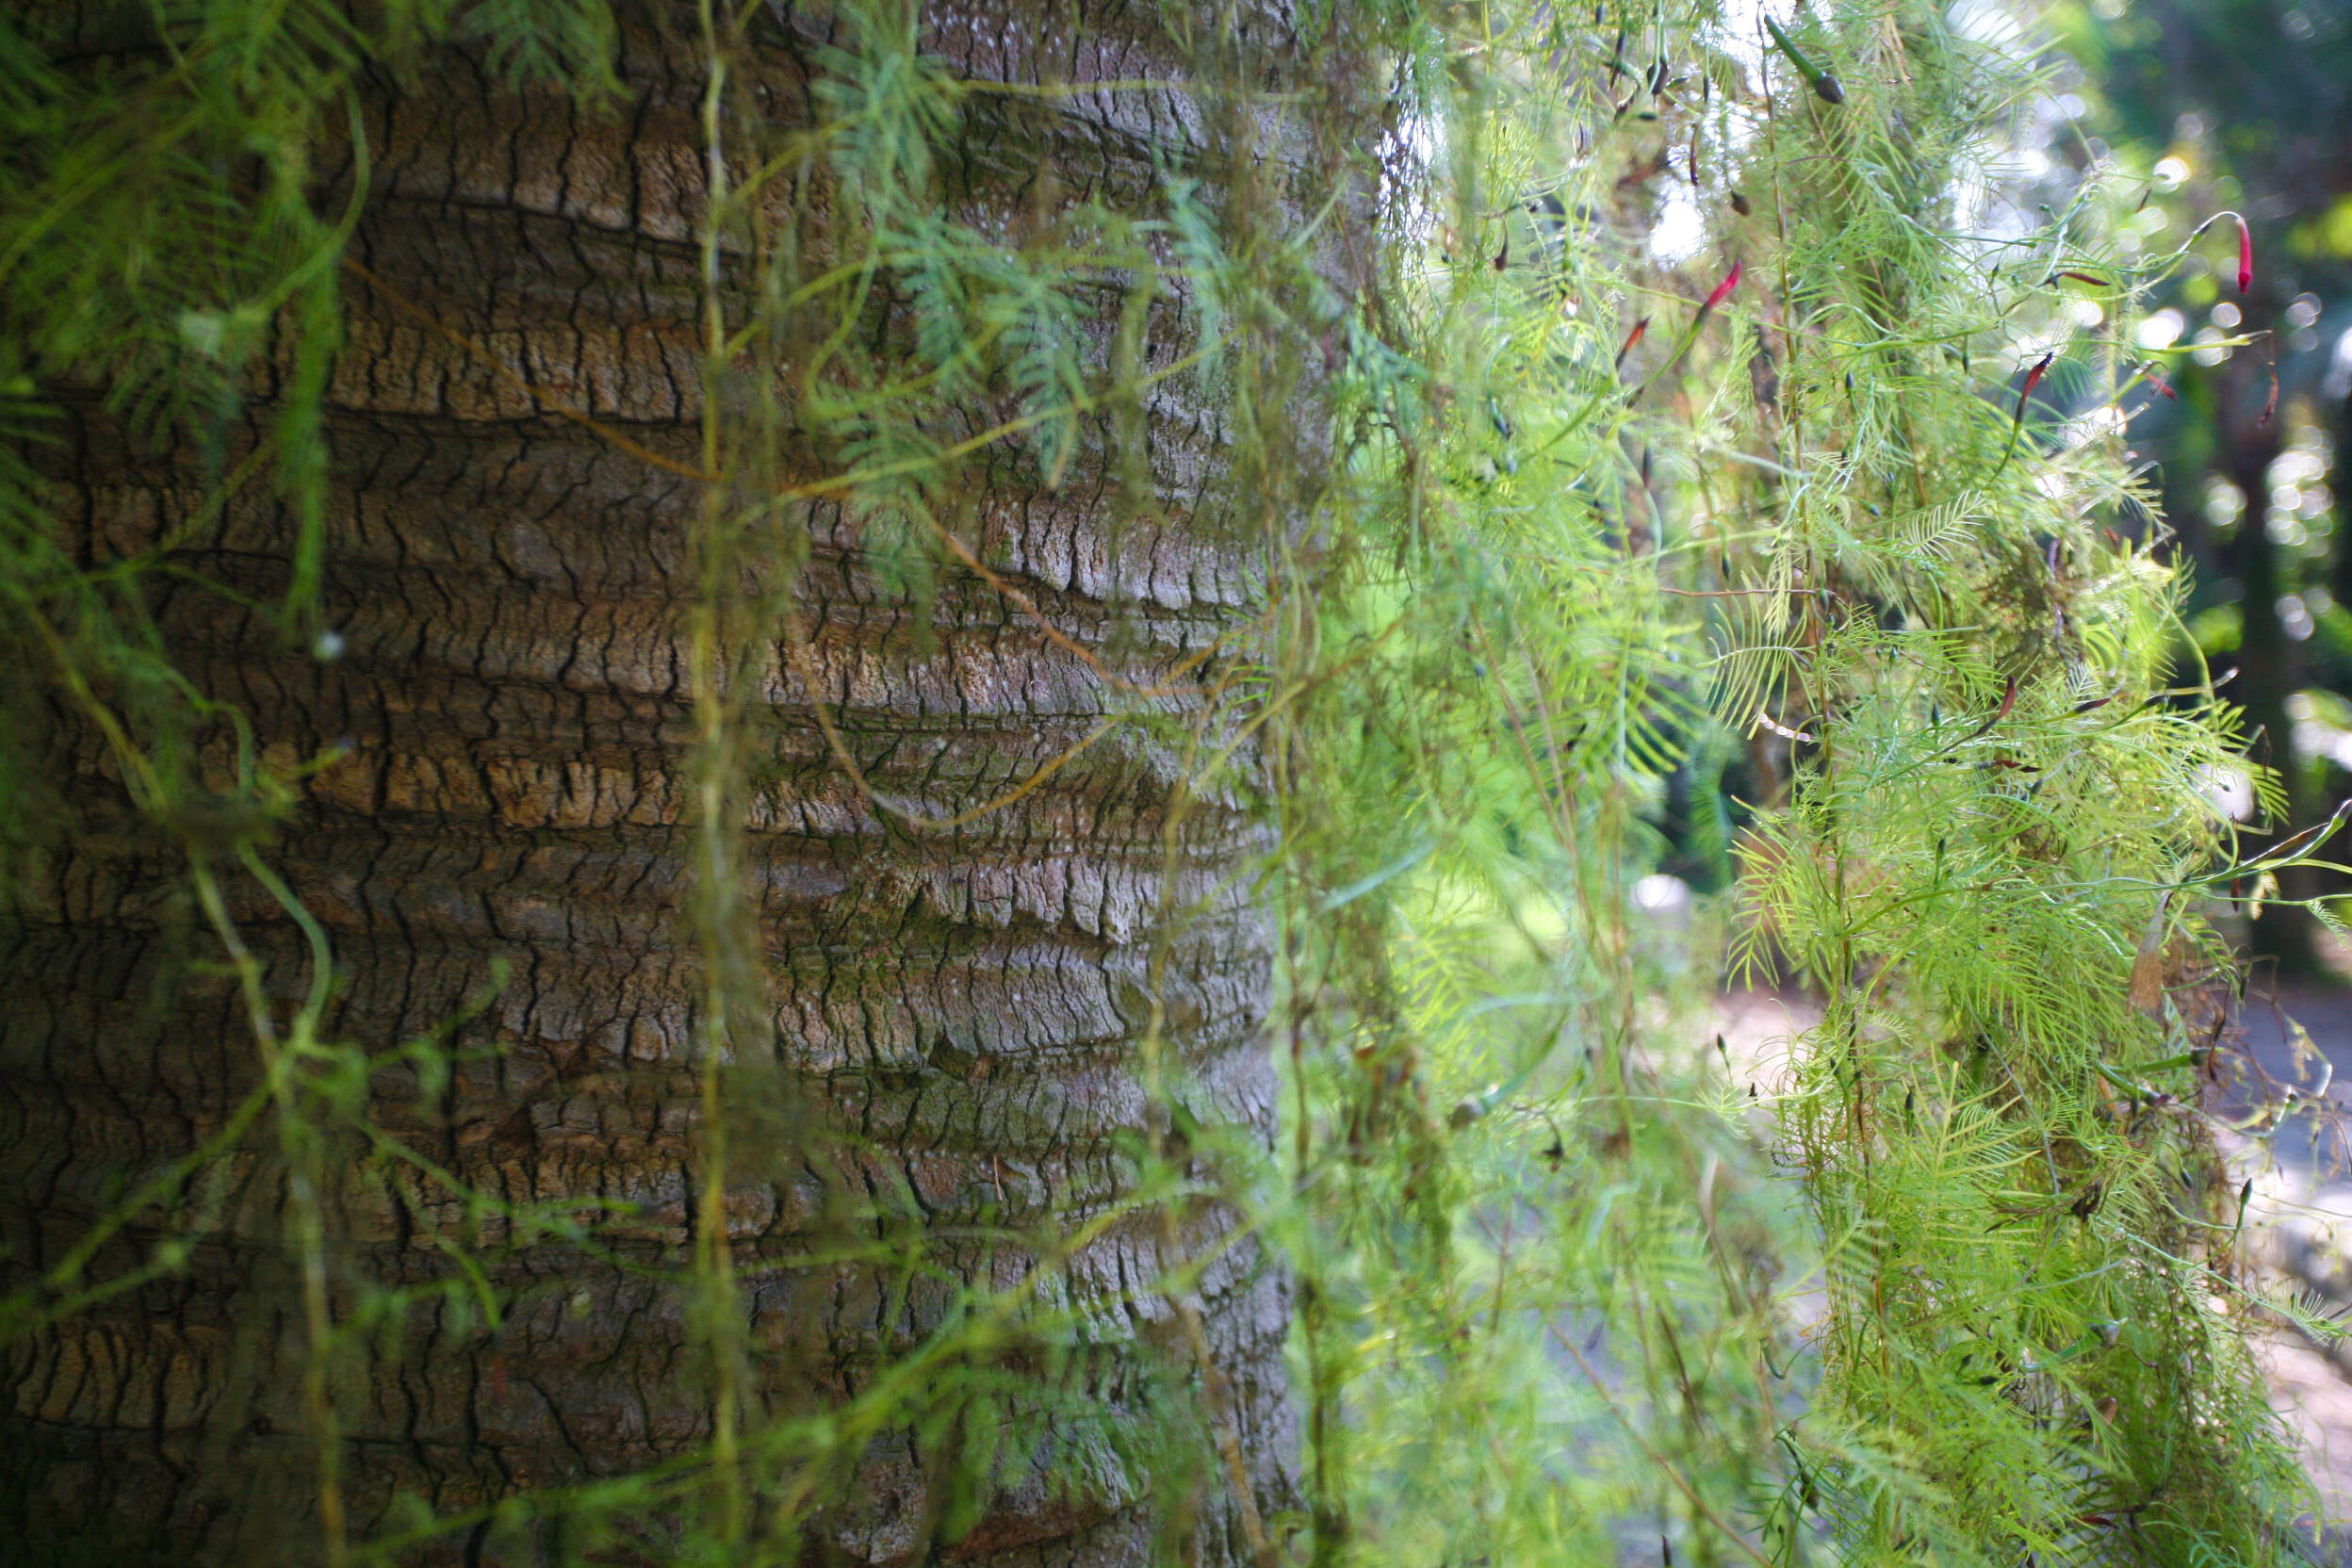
(1826,87)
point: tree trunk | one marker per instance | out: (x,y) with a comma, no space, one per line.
(957,1012)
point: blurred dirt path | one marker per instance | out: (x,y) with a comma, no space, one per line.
(2303,1189)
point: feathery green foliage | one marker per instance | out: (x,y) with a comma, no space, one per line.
(1553,534)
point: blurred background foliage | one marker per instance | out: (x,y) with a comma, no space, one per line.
(2240,106)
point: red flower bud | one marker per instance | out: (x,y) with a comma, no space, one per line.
(2017,423)
(2033,379)
(2246,257)
(1723,289)
(1633,337)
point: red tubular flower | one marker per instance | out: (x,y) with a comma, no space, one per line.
(2246,257)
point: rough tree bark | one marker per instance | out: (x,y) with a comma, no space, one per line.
(511,590)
